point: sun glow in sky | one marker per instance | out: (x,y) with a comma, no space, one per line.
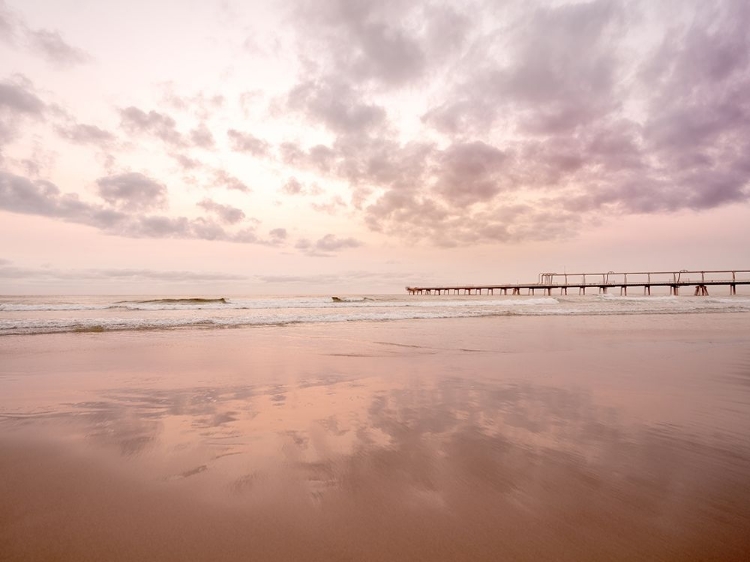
(353,146)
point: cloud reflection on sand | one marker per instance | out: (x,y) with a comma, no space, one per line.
(412,457)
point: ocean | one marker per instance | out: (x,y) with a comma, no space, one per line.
(60,314)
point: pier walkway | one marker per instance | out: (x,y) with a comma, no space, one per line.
(602,282)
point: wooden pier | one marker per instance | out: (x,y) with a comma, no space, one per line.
(603,282)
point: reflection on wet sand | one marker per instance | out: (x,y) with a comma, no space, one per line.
(403,461)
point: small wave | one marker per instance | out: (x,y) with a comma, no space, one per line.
(189,301)
(97,328)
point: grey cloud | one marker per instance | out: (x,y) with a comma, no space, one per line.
(202,137)
(226,213)
(293,187)
(469,172)
(201,105)
(47,43)
(230,182)
(570,123)
(42,198)
(245,142)
(561,72)
(20,195)
(326,246)
(381,44)
(331,243)
(17,102)
(279,234)
(8,24)
(337,106)
(52,47)
(81,133)
(18,98)
(335,204)
(185,162)
(159,125)
(319,157)
(9,271)
(132,192)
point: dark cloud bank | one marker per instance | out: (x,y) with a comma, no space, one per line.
(542,117)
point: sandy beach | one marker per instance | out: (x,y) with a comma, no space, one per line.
(517,438)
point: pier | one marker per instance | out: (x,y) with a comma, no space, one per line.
(604,282)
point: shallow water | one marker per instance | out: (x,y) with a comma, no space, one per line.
(517,437)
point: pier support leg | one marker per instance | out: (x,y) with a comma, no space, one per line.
(733,289)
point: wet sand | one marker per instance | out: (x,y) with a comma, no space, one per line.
(516,438)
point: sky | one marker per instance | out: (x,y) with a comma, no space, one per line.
(351,146)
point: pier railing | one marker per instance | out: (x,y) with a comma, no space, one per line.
(701,279)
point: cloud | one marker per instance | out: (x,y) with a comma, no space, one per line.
(293,187)
(383,42)
(54,49)
(132,192)
(470,172)
(326,246)
(20,195)
(159,125)
(17,97)
(81,133)
(226,213)
(229,181)
(17,102)
(278,234)
(337,106)
(201,105)
(544,117)
(331,207)
(42,198)
(48,43)
(8,24)
(10,271)
(202,137)
(558,72)
(185,162)
(245,142)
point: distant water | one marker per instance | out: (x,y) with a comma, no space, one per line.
(45,314)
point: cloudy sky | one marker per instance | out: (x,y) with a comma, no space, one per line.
(311,146)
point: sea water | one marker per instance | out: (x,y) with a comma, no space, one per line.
(55,314)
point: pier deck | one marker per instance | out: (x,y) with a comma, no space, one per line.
(602,282)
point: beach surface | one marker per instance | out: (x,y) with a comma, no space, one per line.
(494,438)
